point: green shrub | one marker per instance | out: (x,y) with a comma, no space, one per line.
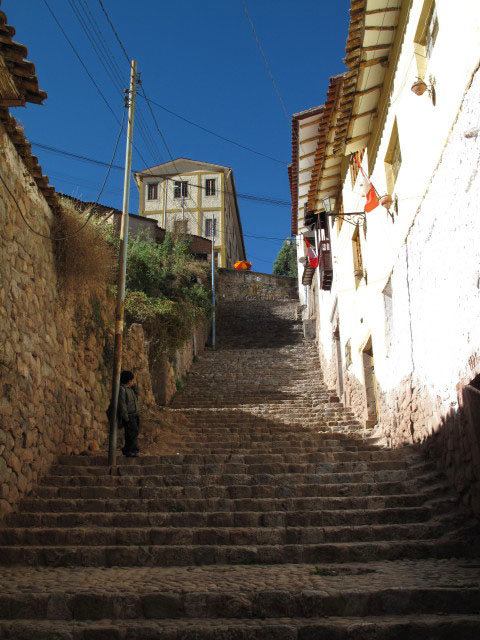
(164,291)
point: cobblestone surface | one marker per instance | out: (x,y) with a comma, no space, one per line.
(280,519)
(365,577)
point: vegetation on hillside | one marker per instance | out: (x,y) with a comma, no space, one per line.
(85,258)
(286,262)
(165,289)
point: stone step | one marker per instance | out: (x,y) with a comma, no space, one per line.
(395,456)
(234,468)
(229,492)
(190,555)
(231,536)
(58,505)
(350,517)
(184,479)
(420,627)
(255,604)
(228,448)
(402,627)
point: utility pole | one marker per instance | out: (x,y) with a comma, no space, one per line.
(183,208)
(122,267)
(213,282)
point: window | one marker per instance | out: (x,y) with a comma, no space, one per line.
(210,187)
(208,228)
(432,31)
(354,168)
(425,36)
(152,191)
(180,189)
(357,257)
(388,304)
(348,353)
(393,159)
(180,226)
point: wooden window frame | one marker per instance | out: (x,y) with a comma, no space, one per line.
(426,36)
(180,188)
(358,270)
(393,159)
(152,191)
(210,187)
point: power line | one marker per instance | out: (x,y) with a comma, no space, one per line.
(81,62)
(194,124)
(218,135)
(110,65)
(88,72)
(76,156)
(89,217)
(269,71)
(115,32)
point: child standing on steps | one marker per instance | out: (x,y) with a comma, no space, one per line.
(128,413)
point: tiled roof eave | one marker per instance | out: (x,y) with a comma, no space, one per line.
(23,147)
(20,70)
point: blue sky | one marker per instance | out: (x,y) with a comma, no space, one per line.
(198,59)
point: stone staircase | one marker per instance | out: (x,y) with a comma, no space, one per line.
(280,519)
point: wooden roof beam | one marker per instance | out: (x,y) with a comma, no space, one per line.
(357,138)
(332,177)
(364,114)
(377,87)
(380,28)
(378,47)
(310,124)
(384,10)
(370,63)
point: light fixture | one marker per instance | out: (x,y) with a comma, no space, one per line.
(357,218)
(329,203)
(419,87)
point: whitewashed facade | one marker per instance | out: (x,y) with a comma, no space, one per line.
(398,328)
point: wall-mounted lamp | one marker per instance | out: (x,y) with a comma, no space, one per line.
(357,218)
(419,87)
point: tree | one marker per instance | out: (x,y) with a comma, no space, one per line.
(286,262)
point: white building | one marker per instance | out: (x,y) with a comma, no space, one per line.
(396,302)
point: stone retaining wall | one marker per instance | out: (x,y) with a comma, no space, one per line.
(56,350)
(249,285)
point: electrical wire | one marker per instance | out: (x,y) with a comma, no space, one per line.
(218,135)
(108,62)
(114,31)
(82,158)
(81,62)
(92,212)
(88,72)
(75,156)
(267,66)
(177,115)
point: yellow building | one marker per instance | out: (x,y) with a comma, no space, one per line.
(190,196)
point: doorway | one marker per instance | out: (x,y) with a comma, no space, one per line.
(338,353)
(370,384)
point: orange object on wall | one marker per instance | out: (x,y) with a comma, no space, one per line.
(243,265)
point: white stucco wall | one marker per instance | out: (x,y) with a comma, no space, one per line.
(434,229)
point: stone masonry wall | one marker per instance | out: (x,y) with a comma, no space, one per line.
(248,285)
(56,348)
(166,372)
